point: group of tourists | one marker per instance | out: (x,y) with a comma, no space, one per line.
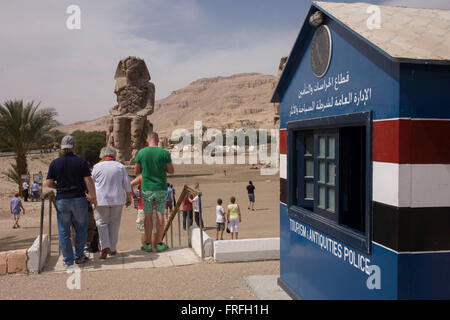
(233,214)
(106,189)
(16,207)
(84,192)
(35,188)
(233,218)
(191,206)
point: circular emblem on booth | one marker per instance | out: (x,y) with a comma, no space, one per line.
(321,51)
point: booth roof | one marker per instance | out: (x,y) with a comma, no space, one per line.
(404,33)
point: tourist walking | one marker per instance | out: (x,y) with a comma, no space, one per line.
(25,187)
(70,175)
(187,210)
(154,163)
(174,198)
(197,201)
(15,206)
(34,191)
(113,188)
(169,200)
(140,220)
(251,196)
(234,218)
(220,219)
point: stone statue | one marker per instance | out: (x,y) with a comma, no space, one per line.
(128,126)
(281,66)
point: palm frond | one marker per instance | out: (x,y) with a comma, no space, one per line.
(23,126)
(12,174)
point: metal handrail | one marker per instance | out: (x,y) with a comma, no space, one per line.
(50,195)
(185,193)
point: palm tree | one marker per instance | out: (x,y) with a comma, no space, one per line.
(21,127)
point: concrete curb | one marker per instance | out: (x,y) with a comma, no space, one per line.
(266,287)
(194,234)
(247,250)
(33,254)
(25,260)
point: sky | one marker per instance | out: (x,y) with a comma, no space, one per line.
(180,41)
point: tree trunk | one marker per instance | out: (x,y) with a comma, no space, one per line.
(22,167)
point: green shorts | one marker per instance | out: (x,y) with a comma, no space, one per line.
(154,197)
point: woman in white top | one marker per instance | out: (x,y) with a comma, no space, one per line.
(220,219)
(197,201)
(113,190)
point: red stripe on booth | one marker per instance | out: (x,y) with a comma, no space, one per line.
(411,141)
(283,141)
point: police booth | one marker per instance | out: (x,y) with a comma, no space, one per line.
(365,155)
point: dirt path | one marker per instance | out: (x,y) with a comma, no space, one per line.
(209,281)
(205,280)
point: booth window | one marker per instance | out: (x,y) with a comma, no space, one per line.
(329,185)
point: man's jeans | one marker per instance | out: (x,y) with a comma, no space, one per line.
(66,208)
(35,196)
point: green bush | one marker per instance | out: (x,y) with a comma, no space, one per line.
(89,144)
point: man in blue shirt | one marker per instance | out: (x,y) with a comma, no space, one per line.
(169,201)
(35,191)
(15,206)
(70,175)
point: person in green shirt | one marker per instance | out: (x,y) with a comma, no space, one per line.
(153,163)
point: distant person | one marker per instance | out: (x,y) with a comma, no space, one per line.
(187,210)
(15,206)
(154,163)
(197,201)
(34,191)
(140,221)
(70,175)
(25,187)
(234,218)
(169,200)
(39,182)
(92,241)
(173,196)
(251,196)
(220,219)
(113,189)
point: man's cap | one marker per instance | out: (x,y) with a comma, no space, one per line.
(67,142)
(16,194)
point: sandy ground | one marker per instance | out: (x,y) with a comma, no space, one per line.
(261,223)
(206,280)
(11,239)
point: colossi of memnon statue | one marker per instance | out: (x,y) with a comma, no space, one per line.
(128,126)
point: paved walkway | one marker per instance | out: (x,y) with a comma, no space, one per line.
(131,260)
(265,287)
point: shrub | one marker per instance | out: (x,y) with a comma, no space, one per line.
(89,144)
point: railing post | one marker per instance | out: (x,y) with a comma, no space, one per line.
(179,228)
(187,218)
(49,226)
(40,234)
(171,236)
(201,224)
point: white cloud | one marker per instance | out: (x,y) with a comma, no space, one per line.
(73,70)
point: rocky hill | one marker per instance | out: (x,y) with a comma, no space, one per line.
(241,100)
